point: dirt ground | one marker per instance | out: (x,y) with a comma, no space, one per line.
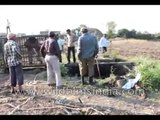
(42,99)
(132,47)
(73,99)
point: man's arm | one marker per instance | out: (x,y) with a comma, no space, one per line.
(100,42)
(74,38)
(5,54)
(58,50)
(79,48)
(17,49)
(96,46)
(42,48)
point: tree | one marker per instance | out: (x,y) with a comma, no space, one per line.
(82,25)
(77,30)
(94,31)
(122,33)
(125,33)
(111,29)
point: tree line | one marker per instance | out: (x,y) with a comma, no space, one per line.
(125,33)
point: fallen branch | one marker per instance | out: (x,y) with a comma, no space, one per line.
(17,107)
(68,113)
(8,104)
(66,105)
(40,108)
(88,112)
(96,110)
(80,100)
(40,105)
(54,107)
(4,91)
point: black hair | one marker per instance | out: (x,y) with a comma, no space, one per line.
(68,30)
(84,30)
(51,34)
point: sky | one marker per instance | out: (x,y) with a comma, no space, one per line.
(31,19)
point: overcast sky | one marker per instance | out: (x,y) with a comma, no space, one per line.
(31,19)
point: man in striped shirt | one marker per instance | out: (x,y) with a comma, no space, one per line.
(13,58)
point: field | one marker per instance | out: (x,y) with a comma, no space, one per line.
(41,99)
(132,47)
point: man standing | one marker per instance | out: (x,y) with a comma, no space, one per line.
(86,51)
(61,43)
(33,45)
(52,58)
(13,58)
(104,43)
(71,38)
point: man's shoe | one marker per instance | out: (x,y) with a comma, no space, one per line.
(82,80)
(91,82)
(53,84)
(60,87)
(13,91)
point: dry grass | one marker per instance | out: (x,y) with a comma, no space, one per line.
(132,47)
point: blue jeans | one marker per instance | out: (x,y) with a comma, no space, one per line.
(16,74)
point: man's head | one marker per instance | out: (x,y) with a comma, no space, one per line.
(68,31)
(105,35)
(11,36)
(51,34)
(56,36)
(84,30)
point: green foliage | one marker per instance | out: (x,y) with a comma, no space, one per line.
(111,29)
(125,33)
(150,73)
(146,36)
(113,54)
(64,70)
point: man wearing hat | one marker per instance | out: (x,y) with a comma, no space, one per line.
(51,52)
(87,50)
(13,58)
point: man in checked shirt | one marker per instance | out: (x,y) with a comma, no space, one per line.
(13,58)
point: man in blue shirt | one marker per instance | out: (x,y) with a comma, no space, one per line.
(87,49)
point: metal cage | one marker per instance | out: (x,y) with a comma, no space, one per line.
(24,52)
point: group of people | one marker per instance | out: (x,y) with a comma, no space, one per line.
(33,47)
(87,50)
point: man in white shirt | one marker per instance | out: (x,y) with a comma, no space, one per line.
(71,38)
(104,43)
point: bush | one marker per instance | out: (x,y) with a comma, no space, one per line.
(64,70)
(150,73)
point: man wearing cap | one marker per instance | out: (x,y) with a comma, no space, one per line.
(52,58)
(87,50)
(13,58)
(71,38)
